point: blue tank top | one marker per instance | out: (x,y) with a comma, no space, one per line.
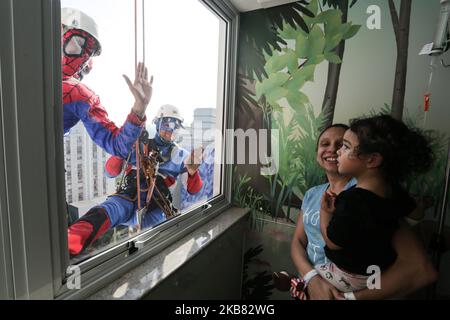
(311,222)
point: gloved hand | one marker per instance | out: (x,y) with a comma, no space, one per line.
(141,89)
(113,166)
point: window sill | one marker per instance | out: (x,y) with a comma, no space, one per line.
(139,281)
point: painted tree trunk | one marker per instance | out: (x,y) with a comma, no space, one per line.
(334,73)
(251,117)
(401,28)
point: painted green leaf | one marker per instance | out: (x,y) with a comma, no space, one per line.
(333,41)
(344,28)
(280,61)
(333,21)
(327,16)
(302,121)
(308,72)
(289,33)
(274,81)
(315,60)
(332,57)
(300,117)
(295,84)
(314,8)
(297,99)
(353,30)
(313,45)
(316,42)
(300,77)
(276,94)
(292,60)
(301,46)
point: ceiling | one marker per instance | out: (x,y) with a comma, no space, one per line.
(248,5)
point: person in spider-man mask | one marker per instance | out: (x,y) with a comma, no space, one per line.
(80,44)
(120,208)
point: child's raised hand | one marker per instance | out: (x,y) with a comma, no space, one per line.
(327,203)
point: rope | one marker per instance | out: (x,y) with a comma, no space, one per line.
(143,31)
(165,207)
(135,35)
(138,174)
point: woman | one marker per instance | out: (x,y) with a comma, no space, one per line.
(412,268)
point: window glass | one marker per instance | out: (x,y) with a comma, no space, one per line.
(184,54)
(186,62)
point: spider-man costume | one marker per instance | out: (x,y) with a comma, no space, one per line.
(81,103)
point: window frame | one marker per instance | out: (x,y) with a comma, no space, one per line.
(32,148)
(33,223)
(98,271)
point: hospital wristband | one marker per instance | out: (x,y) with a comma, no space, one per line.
(349,296)
(309,275)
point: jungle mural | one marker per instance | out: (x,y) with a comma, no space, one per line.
(283,52)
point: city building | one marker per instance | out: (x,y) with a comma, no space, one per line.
(197,133)
(84,165)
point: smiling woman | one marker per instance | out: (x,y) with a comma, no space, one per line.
(328,142)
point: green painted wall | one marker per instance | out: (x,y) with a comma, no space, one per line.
(366,84)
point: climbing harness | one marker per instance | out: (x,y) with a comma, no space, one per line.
(148,159)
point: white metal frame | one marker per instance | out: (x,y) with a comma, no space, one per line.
(33,236)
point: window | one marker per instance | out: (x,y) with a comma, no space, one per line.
(192,80)
(80,173)
(67,146)
(95,188)
(79,148)
(104,185)
(36,139)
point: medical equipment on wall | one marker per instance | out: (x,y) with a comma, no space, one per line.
(441,41)
(436,49)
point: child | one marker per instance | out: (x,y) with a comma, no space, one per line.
(359,223)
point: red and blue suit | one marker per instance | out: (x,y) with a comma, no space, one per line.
(82,104)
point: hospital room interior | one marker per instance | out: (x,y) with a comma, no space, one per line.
(245,150)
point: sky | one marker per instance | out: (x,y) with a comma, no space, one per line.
(182,50)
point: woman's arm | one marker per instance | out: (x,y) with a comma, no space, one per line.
(318,288)
(298,247)
(411,271)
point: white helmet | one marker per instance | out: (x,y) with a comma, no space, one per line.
(76,19)
(168,110)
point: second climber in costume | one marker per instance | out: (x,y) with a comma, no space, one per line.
(80,45)
(121,208)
